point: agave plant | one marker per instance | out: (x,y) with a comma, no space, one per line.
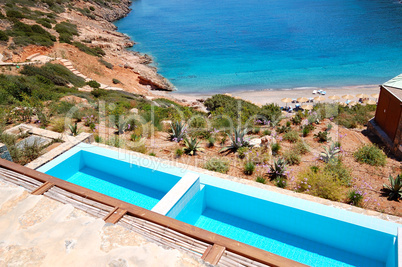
(395,187)
(192,146)
(237,140)
(73,129)
(277,170)
(178,131)
(329,153)
(121,126)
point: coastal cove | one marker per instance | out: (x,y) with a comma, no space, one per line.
(210,46)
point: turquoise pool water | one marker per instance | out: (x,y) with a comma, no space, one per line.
(289,232)
(210,46)
(116,178)
(304,231)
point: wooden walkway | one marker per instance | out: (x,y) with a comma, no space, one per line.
(163,230)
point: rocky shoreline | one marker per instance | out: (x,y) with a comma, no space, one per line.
(99,31)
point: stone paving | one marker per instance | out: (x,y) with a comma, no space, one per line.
(38,231)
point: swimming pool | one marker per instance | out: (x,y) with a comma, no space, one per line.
(304,231)
(107,172)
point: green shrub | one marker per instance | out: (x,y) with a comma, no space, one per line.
(94,84)
(320,184)
(301,147)
(97,138)
(322,136)
(58,125)
(14,14)
(106,64)
(97,92)
(339,172)
(249,168)
(211,142)
(115,81)
(275,147)
(3,36)
(296,120)
(260,179)
(291,137)
(357,115)
(95,51)
(291,157)
(370,154)
(54,73)
(355,197)
(66,28)
(25,34)
(241,152)
(65,38)
(179,152)
(217,165)
(281,182)
(266,132)
(307,129)
(283,129)
(44,22)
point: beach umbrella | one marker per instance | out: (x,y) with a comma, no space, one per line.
(307,107)
(302,99)
(362,96)
(352,103)
(319,98)
(286,100)
(334,97)
(348,97)
(343,104)
(371,102)
(375,95)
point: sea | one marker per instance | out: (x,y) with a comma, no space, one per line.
(206,46)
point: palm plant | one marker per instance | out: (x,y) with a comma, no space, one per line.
(395,187)
(178,131)
(237,140)
(329,153)
(73,129)
(192,146)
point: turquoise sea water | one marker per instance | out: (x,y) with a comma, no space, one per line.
(209,45)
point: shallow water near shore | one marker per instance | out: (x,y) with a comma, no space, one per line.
(231,45)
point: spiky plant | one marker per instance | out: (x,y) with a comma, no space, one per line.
(237,140)
(178,131)
(277,170)
(395,187)
(329,153)
(192,146)
(73,129)
(121,126)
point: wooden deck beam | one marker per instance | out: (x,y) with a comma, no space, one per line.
(42,189)
(115,215)
(213,254)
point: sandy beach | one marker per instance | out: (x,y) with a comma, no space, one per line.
(274,96)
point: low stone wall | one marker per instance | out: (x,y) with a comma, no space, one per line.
(4,154)
(87,138)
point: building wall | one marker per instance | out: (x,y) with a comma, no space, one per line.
(388,113)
